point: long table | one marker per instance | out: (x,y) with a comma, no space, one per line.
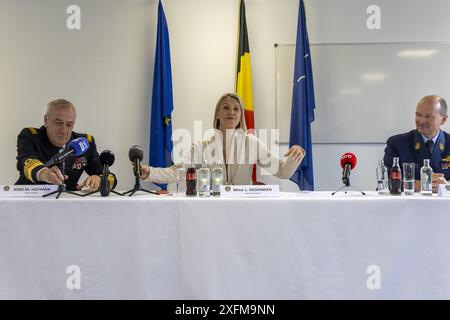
(307,245)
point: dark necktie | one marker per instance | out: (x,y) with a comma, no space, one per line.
(430,145)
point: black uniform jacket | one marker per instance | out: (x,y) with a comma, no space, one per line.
(34,149)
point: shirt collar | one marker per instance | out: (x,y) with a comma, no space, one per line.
(425,139)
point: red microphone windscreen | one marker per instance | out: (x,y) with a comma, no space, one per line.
(348,157)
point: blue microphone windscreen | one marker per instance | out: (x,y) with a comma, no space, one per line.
(80,145)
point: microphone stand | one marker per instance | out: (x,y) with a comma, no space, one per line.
(62,187)
(138,187)
(347,186)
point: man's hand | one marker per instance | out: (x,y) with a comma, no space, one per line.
(295,152)
(51,175)
(91,182)
(417,186)
(438,178)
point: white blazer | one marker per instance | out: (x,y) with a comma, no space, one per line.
(243,151)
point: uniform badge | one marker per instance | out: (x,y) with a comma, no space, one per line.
(417,146)
(441,147)
(79,163)
(446,159)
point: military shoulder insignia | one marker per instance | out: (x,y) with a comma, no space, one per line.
(89,137)
(33,131)
(441,146)
(417,146)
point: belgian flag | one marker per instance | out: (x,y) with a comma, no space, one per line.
(244,74)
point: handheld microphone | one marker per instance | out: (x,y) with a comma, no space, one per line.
(74,148)
(348,162)
(106,159)
(136,154)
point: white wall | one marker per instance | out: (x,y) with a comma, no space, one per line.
(344,21)
(106,68)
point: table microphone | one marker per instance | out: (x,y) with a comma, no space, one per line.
(75,148)
(136,154)
(106,159)
(348,163)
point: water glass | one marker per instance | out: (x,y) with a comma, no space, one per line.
(181,176)
(409,170)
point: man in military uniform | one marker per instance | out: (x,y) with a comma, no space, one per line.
(36,146)
(428,141)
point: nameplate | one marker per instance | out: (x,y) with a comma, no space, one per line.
(26,190)
(444,190)
(250,191)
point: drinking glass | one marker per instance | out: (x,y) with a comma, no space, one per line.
(409,170)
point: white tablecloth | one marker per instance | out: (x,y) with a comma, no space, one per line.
(298,246)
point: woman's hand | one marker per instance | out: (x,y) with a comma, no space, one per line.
(145,171)
(295,152)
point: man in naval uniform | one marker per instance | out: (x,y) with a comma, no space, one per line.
(35,146)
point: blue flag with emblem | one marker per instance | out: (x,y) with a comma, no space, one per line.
(162,99)
(303,104)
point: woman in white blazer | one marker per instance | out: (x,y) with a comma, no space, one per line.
(232,147)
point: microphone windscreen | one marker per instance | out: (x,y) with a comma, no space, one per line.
(348,158)
(79,145)
(136,152)
(107,157)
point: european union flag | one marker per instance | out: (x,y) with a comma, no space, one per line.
(162,99)
(303,104)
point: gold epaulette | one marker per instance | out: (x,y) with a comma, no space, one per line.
(34,131)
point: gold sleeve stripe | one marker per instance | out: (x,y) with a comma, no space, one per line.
(89,137)
(28,167)
(33,130)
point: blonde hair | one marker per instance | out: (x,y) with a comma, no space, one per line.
(242,125)
(60,103)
